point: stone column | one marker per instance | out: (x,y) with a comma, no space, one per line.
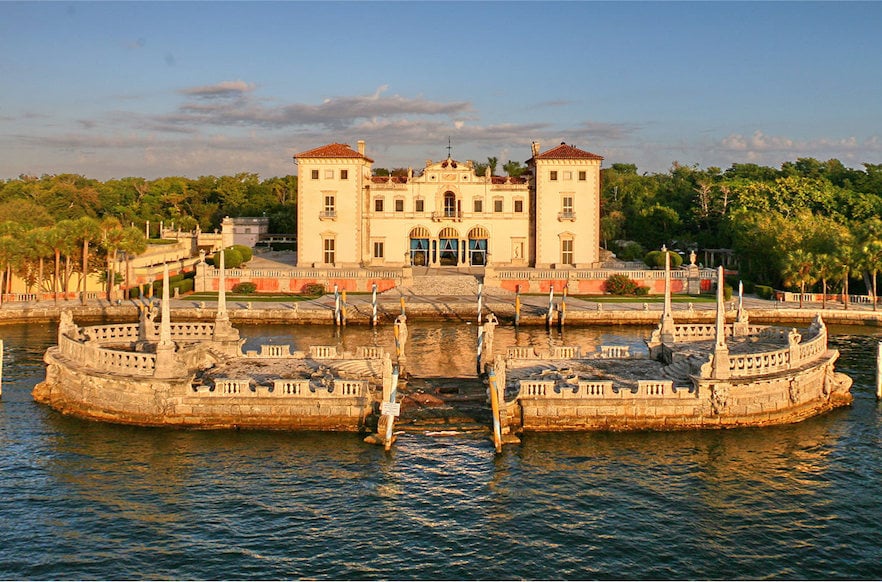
(721,350)
(167,365)
(666,325)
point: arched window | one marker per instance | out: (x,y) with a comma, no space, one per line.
(449,204)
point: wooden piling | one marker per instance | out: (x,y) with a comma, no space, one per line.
(494,405)
(550,314)
(374,305)
(517,320)
(343,310)
(480,301)
(878,371)
(336,306)
(391,410)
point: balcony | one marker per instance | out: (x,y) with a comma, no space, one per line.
(328,215)
(447,215)
(566,215)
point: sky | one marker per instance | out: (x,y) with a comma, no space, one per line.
(117,89)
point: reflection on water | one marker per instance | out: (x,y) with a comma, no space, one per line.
(93,500)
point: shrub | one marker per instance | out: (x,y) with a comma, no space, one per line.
(628,250)
(620,284)
(245,251)
(232,258)
(727,291)
(313,289)
(764,291)
(245,288)
(656,259)
(641,291)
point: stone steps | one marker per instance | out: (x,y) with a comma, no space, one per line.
(439,285)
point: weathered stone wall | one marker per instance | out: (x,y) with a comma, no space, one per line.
(96,395)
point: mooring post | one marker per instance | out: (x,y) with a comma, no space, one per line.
(517,305)
(878,370)
(374,305)
(562,314)
(1,368)
(480,300)
(343,309)
(494,406)
(548,317)
(480,347)
(336,305)
(391,409)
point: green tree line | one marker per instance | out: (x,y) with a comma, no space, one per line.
(56,228)
(808,225)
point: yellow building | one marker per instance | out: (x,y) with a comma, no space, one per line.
(446,214)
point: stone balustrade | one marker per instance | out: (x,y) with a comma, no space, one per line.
(324,353)
(283,388)
(615,352)
(599,389)
(125,332)
(521,353)
(195,330)
(759,364)
(370,353)
(129,363)
(691,332)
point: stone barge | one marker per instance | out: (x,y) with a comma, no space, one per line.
(695,376)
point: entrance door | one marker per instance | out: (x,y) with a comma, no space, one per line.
(449,248)
(419,252)
(478,251)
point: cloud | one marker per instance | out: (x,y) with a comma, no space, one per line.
(223,89)
(230,104)
(773,150)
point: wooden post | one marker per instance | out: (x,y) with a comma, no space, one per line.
(517,305)
(480,300)
(1,368)
(562,314)
(494,406)
(336,306)
(343,309)
(549,315)
(374,305)
(480,347)
(393,396)
(878,370)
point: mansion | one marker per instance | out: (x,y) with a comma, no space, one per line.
(446,214)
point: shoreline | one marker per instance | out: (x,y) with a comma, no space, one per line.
(421,309)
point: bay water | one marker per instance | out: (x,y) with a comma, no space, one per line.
(88,500)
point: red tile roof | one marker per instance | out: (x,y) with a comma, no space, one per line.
(332,150)
(567,152)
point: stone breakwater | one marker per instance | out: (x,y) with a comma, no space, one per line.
(119,373)
(756,376)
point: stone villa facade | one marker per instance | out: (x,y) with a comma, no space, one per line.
(446,214)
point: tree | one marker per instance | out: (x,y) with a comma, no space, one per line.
(799,270)
(492,162)
(85,230)
(59,238)
(132,243)
(513,169)
(869,236)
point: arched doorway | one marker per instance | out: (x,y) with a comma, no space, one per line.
(419,246)
(448,246)
(478,245)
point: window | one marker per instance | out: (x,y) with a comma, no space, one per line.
(479,206)
(497,205)
(567,205)
(567,175)
(518,205)
(583,176)
(553,176)
(399,205)
(379,249)
(419,205)
(314,174)
(330,208)
(330,248)
(329,174)
(378,205)
(449,204)
(566,251)
(344,174)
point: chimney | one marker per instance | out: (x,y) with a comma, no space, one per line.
(361,146)
(535,146)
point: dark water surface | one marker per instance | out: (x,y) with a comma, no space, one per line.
(84,500)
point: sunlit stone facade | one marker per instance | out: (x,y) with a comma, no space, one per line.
(446,214)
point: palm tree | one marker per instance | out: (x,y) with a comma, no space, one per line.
(86,229)
(112,234)
(132,243)
(799,270)
(870,251)
(58,239)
